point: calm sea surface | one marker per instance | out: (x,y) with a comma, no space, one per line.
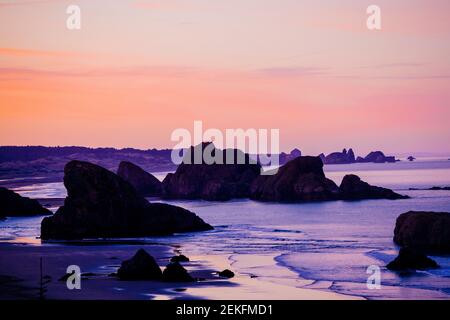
(332,243)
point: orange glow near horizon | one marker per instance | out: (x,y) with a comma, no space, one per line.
(137,70)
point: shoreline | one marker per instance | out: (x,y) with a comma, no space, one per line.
(19,275)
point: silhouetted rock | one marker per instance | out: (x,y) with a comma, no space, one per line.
(411,158)
(179,258)
(14,205)
(322,157)
(426,231)
(439,188)
(197,179)
(343,157)
(353,188)
(376,157)
(409,259)
(100,204)
(346,157)
(144,183)
(285,157)
(295,153)
(226,273)
(433,189)
(141,266)
(174,272)
(301,179)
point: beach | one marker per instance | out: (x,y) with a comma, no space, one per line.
(20,276)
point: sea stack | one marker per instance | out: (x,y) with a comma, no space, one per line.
(100,204)
(301,179)
(145,183)
(222,180)
(425,231)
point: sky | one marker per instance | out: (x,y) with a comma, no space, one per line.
(139,69)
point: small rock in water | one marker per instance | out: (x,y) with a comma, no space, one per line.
(413,260)
(141,267)
(226,273)
(174,272)
(179,258)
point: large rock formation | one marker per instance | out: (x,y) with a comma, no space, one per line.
(411,259)
(301,179)
(220,180)
(353,188)
(101,204)
(14,205)
(145,183)
(141,266)
(426,231)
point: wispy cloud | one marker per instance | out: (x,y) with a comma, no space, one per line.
(17,52)
(395,65)
(24,2)
(167,71)
(293,71)
(163,4)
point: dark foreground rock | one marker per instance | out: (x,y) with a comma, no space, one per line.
(179,258)
(225,180)
(14,205)
(141,266)
(426,231)
(100,204)
(145,183)
(174,272)
(409,259)
(353,188)
(301,179)
(226,273)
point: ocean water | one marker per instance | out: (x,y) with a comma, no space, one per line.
(329,243)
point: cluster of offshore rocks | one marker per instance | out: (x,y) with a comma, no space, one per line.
(102,204)
(144,267)
(347,157)
(300,179)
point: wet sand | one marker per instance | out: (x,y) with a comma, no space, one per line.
(20,275)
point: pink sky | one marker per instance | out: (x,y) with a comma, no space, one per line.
(138,69)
